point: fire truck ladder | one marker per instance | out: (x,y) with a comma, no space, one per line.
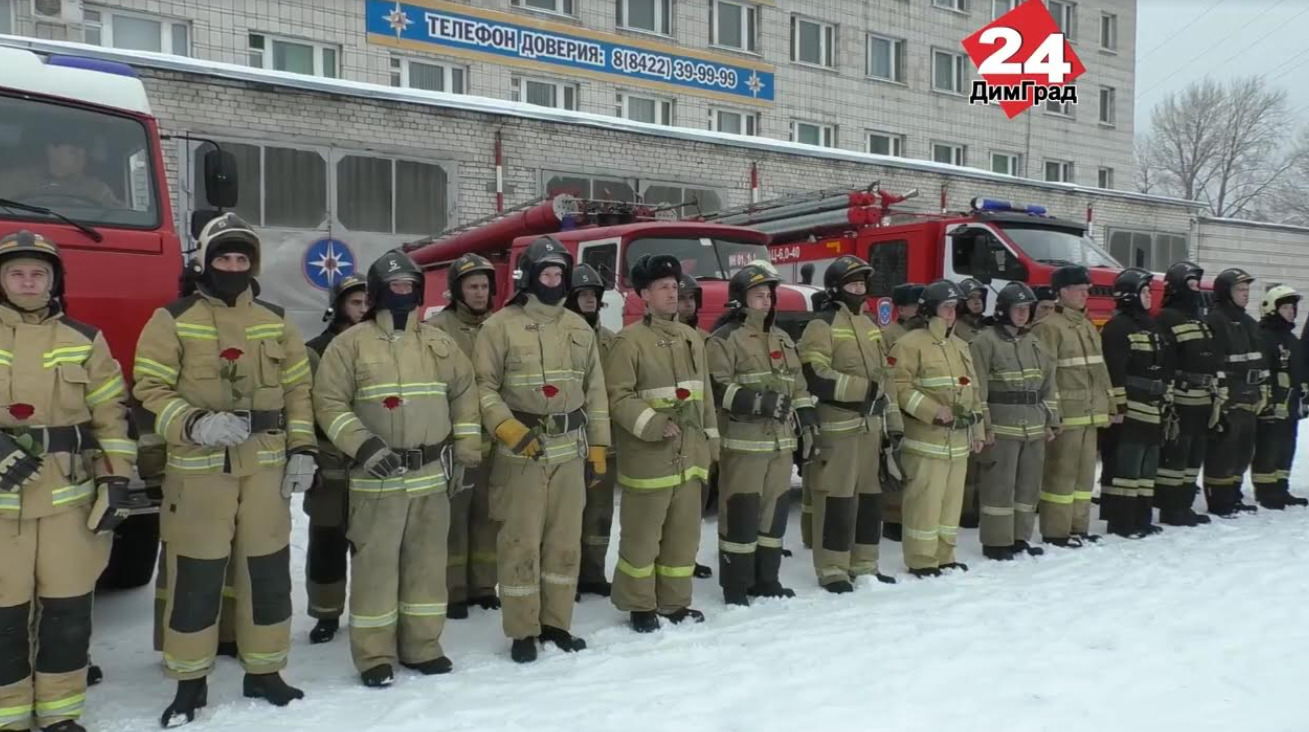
(795,204)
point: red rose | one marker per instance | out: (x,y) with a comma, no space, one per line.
(964,381)
(890,360)
(777,355)
(21,411)
(231,354)
(392,402)
(683,394)
(550,391)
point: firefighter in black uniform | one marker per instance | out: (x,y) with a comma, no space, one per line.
(1278,424)
(1242,393)
(1138,369)
(1193,354)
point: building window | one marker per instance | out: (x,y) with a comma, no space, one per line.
(1063,109)
(1146,249)
(1065,16)
(949,153)
(1000,7)
(812,42)
(562,7)
(884,143)
(1109,31)
(948,72)
(295,56)
(544,93)
(1108,105)
(734,25)
(885,58)
(1105,178)
(584,185)
(131,31)
(1006,163)
(429,76)
(811,133)
(1058,171)
(7,17)
(645,109)
(688,201)
(959,6)
(736,123)
(654,16)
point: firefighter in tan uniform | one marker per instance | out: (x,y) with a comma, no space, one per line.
(228,380)
(1084,395)
(65,459)
(760,388)
(690,298)
(598,517)
(326,503)
(399,398)
(971,322)
(470,575)
(905,299)
(936,388)
(1015,381)
(845,368)
(1045,303)
(667,433)
(543,397)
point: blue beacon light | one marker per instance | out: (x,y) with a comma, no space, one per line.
(91,64)
(996,205)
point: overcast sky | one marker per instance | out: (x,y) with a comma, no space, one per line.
(1180,41)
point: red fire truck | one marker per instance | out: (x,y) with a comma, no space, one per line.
(610,236)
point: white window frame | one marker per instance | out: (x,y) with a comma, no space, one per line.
(750,121)
(561,7)
(663,107)
(266,53)
(1065,17)
(1109,111)
(954,6)
(1104,177)
(1059,109)
(826,133)
(960,72)
(958,153)
(897,57)
(400,74)
(663,17)
(518,92)
(9,14)
(895,143)
(1000,7)
(749,36)
(1014,162)
(104,23)
(1109,21)
(1065,171)
(826,49)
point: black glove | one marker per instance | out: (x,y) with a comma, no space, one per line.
(873,404)
(775,405)
(378,460)
(808,417)
(745,402)
(115,503)
(17,465)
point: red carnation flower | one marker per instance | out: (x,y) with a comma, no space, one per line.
(21,411)
(392,402)
(550,391)
(683,394)
(777,355)
(231,354)
(890,360)
(964,381)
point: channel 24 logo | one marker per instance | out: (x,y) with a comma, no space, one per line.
(1024,60)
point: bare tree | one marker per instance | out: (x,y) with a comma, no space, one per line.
(1289,201)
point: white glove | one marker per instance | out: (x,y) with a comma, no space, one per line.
(299,475)
(219,429)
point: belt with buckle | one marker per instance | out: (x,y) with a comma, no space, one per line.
(262,420)
(1196,381)
(1152,387)
(415,458)
(74,438)
(553,425)
(1014,397)
(1256,377)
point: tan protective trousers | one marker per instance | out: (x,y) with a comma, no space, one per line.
(48,570)
(471,566)
(208,521)
(1009,483)
(597,525)
(1066,483)
(933,498)
(752,490)
(539,546)
(226,616)
(659,536)
(397,578)
(807,506)
(847,509)
(327,555)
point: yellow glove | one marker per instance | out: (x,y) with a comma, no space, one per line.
(518,438)
(596,466)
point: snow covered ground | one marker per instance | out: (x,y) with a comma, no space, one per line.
(1196,629)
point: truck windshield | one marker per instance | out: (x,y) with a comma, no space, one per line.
(701,257)
(1058,246)
(93,167)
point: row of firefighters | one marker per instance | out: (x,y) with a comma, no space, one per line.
(472,460)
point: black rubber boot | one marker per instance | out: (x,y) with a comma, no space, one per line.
(771,589)
(378,677)
(1290,500)
(457,611)
(1021,546)
(271,688)
(702,571)
(839,587)
(523,650)
(644,621)
(1071,542)
(562,639)
(685,613)
(998,553)
(68,725)
(229,649)
(1086,538)
(925,572)
(885,579)
(94,675)
(435,667)
(324,630)
(192,696)
(892,531)
(955,565)
(486,602)
(594,588)
(736,597)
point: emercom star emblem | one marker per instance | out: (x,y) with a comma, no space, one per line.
(332,264)
(398,20)
(754,83)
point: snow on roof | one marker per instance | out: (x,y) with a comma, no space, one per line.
(76,79)
(485,105)
(1255,224)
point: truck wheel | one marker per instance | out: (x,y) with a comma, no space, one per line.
(135,554)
